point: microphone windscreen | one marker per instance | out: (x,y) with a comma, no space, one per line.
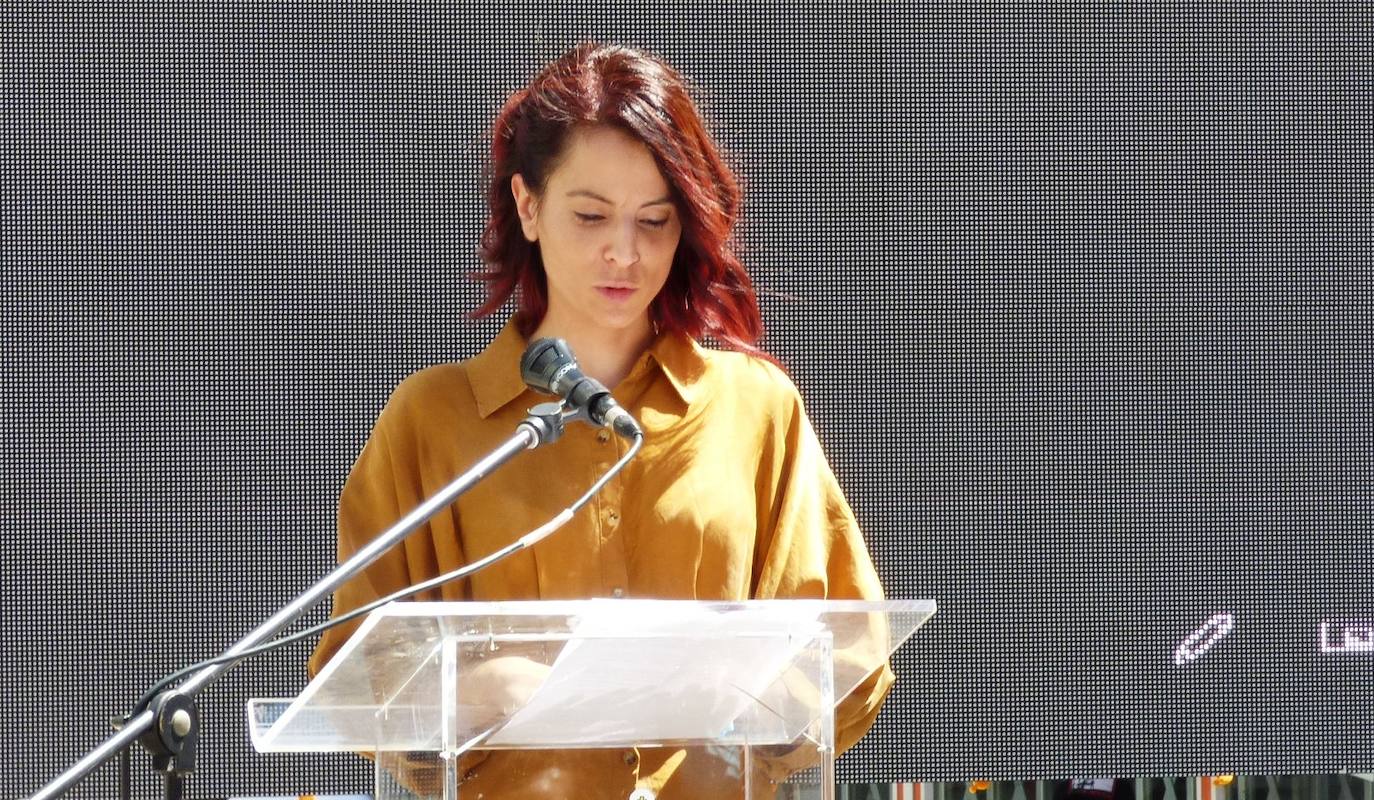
(544,363)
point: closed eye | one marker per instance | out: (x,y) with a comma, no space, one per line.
(592,219)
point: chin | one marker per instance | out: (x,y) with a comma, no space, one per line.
(622,322)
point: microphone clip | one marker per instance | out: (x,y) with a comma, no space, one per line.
(547,420)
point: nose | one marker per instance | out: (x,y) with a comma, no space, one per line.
(623,249)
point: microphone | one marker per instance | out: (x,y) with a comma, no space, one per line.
(549,366)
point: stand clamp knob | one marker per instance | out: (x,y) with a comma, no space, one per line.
(172,739)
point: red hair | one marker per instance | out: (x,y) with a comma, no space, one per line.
(708,291)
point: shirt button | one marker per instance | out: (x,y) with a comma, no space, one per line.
(613,516)
(603,436)
(631,758)
(617,592)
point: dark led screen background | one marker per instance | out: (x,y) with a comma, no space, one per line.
(1079,302)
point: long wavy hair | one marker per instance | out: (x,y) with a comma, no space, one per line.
(708,292)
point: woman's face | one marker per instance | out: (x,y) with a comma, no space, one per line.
(607,230)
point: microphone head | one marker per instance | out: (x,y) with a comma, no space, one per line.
(549,366)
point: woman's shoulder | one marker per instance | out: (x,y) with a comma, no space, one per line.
(442,389)
(748,376)
(433,381)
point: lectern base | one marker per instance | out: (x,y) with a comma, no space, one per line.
(594,774)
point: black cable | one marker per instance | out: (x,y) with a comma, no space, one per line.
(526,541)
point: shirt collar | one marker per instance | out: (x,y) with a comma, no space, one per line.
(495,372)
(683,362)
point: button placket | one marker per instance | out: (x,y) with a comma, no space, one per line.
(612,550)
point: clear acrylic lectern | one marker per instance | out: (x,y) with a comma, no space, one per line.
(621,699)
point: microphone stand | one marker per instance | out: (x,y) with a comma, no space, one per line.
(169,726)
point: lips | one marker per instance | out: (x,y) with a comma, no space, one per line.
(616,293)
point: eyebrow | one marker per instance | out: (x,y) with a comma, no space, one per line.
(593,195)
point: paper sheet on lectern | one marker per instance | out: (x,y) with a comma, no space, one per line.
(688,674)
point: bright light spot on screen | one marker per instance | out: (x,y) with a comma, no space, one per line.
(1202,639)
(1347,636)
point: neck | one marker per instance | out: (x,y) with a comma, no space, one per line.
(602,354)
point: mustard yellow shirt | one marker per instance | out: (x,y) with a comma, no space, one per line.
(731,498)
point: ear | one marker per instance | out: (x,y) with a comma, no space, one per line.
(526,205)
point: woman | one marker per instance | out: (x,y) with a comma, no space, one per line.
(611,215)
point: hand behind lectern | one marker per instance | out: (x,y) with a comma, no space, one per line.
(499,687)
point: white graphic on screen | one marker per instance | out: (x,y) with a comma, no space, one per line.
(1201,640)
(1347,636)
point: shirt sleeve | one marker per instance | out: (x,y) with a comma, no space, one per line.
(811,547)
(384,484)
